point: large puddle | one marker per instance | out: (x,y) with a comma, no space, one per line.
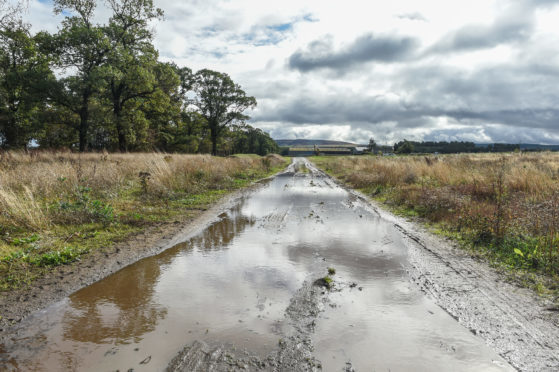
(232,283)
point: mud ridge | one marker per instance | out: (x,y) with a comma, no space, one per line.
(294,351)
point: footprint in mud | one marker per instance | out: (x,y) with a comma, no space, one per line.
(111,351)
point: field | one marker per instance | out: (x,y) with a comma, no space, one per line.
(55,207)
(503,207)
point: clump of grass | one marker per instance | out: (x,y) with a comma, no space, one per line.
(59,257)
(506,205)
(327,280)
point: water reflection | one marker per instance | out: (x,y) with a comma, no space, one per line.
(116,311)
(219,235)
(121,310)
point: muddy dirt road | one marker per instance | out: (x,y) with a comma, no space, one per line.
(244,294)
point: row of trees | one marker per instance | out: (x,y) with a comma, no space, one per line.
(453,147)
(102,86)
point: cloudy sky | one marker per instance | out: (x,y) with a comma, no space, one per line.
(481,70)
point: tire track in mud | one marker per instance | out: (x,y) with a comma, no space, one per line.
(295,348)
(294,351)
(512,320)
(514,326)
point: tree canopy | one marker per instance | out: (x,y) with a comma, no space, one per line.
(220,101)
(100,85)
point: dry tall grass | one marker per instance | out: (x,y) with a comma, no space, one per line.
(509,202)
(55,206)
(31,182)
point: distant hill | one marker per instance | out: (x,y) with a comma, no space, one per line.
(311,142)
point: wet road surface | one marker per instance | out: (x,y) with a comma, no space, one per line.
(231,285)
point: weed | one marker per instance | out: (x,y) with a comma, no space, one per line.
(25,240)
(331,271)
(326,282)
(61,257)
(144,178)
(82,208)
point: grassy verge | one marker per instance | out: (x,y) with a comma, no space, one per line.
(56,207)
(504,208)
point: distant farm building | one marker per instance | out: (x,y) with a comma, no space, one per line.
(322,150)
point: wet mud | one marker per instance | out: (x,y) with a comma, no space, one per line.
(249,292)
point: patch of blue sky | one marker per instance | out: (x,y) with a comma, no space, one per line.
(269,35)
(207,31)
(269,38)
(281,27)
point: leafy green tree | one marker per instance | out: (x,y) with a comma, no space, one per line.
(83,47)
(403,147)
(23,70)
(246,139)
(220,101)
(163,108)
(130,69)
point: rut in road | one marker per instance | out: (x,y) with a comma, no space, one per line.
(242,294)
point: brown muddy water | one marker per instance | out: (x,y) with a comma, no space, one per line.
(231,285)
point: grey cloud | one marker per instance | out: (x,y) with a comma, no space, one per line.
(542,3)
(471,37)
(376,110)
(515,24)
(503,88)
(320,54)
(521,100)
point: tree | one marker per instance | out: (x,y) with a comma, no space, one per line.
(9,12)
(130,66)
(403,147)
(245,139)
(162,109)
(220,101)
(22,72)
(372,145)
(81,47)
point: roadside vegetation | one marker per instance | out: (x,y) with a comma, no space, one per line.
(504,207)
(56,207)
